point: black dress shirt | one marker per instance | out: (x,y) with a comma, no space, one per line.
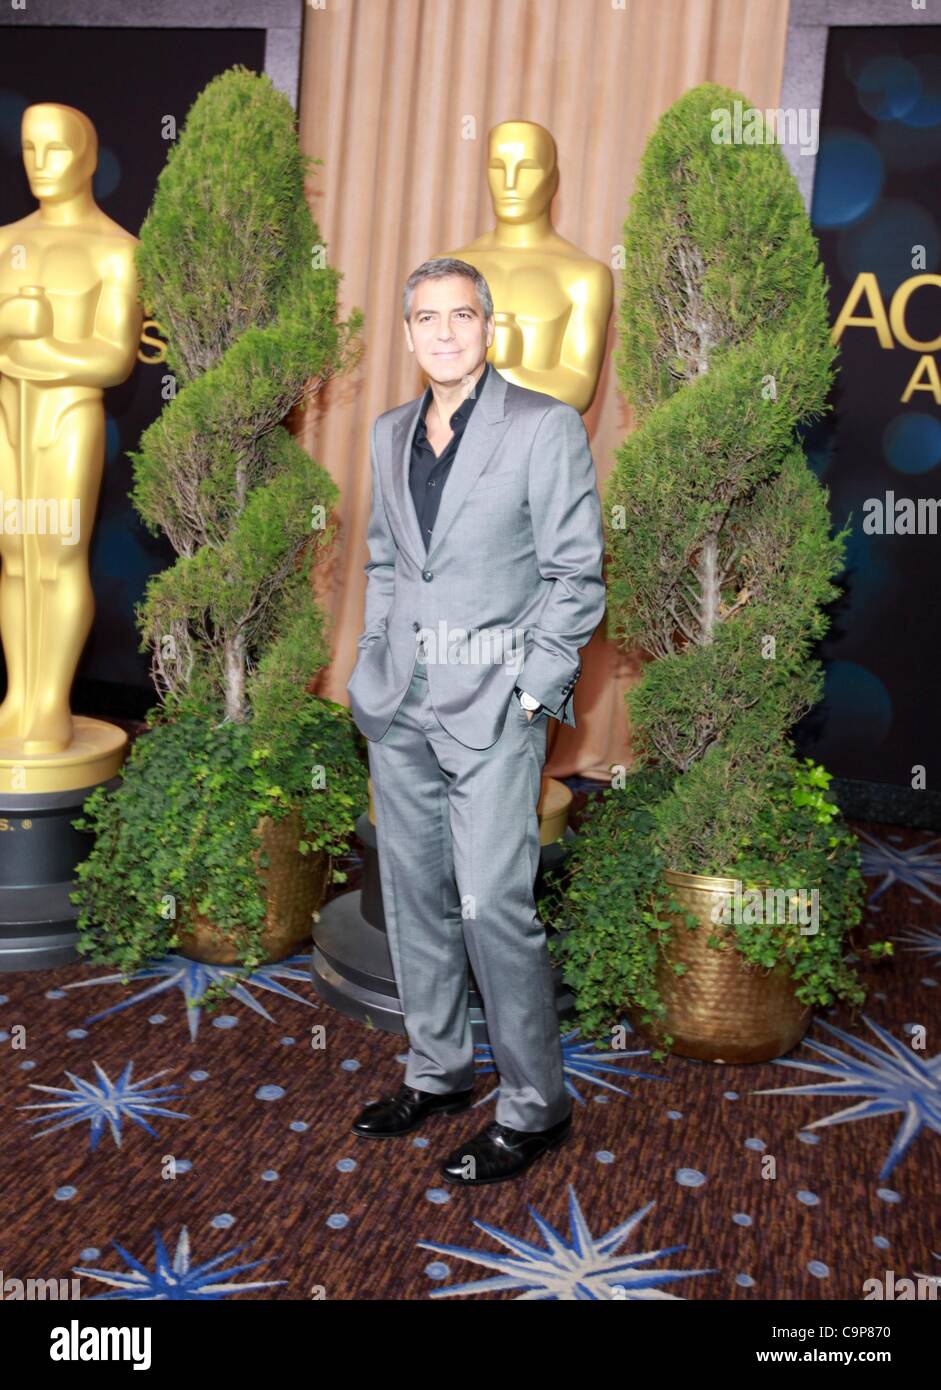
(427,472)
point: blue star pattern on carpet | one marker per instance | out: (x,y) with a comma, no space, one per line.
(582,1267)
(893,1080)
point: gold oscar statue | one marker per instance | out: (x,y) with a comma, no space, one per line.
(551,302)
(70,323)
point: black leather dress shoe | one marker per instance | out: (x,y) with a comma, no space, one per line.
(405,1111)
(499,1152)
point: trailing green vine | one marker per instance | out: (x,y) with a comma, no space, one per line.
(611,904)
(181,830)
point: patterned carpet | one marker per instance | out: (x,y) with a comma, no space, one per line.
(145,1148)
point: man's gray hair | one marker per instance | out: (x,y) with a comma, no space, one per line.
(437,270)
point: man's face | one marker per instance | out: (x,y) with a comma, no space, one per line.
(50,158)
(447,330)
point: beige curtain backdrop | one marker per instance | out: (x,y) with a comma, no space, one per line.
(397,99)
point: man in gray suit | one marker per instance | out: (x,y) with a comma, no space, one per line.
(480,595)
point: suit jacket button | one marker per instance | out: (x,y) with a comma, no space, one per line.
(427,576)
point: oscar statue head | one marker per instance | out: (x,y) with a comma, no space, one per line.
(60,151)
(522,170)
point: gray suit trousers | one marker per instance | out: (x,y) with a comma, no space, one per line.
(458,844)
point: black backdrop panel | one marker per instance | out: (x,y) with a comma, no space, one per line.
(127,81)
(877,200)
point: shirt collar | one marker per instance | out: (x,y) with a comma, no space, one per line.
(466,406)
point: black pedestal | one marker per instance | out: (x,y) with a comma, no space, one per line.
(351,967)
(39,850)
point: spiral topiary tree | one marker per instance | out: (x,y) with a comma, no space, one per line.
(720,554)
(233,268)
(719,565)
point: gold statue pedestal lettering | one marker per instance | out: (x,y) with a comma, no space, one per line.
(70,322)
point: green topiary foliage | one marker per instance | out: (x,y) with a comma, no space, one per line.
(717,247)
(720,564)
(233,268)
(720,558)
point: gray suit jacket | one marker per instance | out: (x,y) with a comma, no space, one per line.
(511,587)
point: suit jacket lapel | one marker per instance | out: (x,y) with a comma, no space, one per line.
(482,433)
(410,537)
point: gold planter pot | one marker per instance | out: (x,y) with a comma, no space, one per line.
(294,887)
(721,1009)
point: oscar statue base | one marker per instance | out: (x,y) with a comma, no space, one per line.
(351,967)
(39,846)
(96,753)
